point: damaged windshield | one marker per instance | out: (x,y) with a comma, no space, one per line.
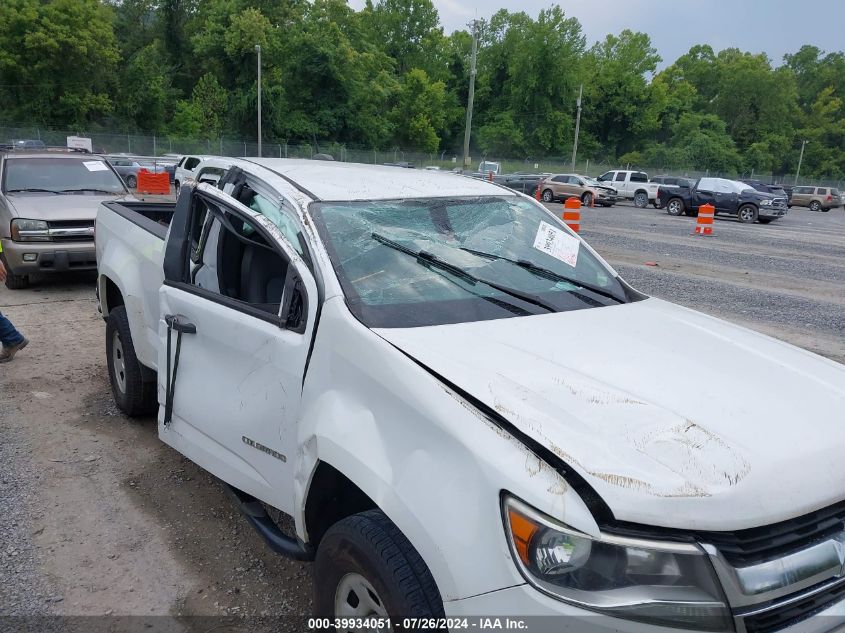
(406,263)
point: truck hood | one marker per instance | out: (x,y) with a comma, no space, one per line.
(677,419)
(62,207)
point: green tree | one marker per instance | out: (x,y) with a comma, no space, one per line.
(620,107)
(60,59)
(418,113)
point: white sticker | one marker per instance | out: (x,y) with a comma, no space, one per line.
(557,243)
(95,165)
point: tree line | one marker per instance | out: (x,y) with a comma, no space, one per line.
(388,75)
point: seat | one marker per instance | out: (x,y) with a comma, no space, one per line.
(263,274)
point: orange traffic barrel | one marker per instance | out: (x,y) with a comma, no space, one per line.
(572,214)
(706,214)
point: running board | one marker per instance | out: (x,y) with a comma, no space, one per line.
(258,518)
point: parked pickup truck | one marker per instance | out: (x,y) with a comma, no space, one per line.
(631,185)
(729,197)
(467,412)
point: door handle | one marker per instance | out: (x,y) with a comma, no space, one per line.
(177,322)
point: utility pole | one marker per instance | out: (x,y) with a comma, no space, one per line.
(471,97)
(258,50)
(800,159)
(577,126)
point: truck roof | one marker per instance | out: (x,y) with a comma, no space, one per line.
(328,180)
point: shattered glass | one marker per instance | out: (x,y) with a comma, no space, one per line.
(397,289)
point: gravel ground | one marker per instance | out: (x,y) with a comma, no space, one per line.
(97,517)
(786,279)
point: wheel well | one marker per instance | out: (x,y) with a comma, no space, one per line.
(331,497)
(641,191)
(113,297)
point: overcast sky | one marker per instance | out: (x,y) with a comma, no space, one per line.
(774,27)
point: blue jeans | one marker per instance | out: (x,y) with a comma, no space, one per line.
(8,334)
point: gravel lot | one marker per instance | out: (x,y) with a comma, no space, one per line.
(97,517)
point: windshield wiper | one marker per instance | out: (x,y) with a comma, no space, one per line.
(95,190)
(32,189)
(428,259)
(545,272)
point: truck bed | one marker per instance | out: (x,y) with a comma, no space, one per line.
(153,217)
(130,241)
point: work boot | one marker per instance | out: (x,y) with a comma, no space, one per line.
(8,352)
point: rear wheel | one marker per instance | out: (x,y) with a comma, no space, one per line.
(366,567)
(747,213)
(641,199)
(132,394)
(548,196)
(815,206)
(131,182)
(675,206)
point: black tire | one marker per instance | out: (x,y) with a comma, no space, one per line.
(370,545)
(641,199)
(747,214)
(587,199)
(13,281)
(657,204)
(131,182)
(675,206)
(134,395)
(548,195)
(815,206)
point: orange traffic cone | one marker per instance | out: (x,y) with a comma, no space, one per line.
(704,225)
(572,214)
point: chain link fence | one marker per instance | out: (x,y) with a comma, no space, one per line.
(107,142)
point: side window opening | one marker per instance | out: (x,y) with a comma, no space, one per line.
(620,177)
(235,260)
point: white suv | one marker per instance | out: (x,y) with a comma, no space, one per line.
(186,168)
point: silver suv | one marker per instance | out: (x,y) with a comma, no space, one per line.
(48,203)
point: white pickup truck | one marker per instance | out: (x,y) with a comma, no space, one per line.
(632,185)
(468,413)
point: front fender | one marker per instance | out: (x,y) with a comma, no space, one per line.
(427,458)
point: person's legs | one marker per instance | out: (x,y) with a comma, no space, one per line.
(13,341)
(9,336)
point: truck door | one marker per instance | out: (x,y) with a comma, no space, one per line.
(237,312)
(704,193)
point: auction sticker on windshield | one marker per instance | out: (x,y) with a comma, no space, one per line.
(557,243)
(95,165)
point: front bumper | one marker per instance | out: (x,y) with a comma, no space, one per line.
(48,257)
(772,212)
(539,613)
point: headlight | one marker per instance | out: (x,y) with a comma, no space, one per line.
(766,203)
(662,583)
(30,231)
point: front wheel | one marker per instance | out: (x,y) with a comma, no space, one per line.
(365,567)
(747,213)
(131,182)
(548,196)
(587,199)
(675,206)
(641,200)
(132,394)
(13,281)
